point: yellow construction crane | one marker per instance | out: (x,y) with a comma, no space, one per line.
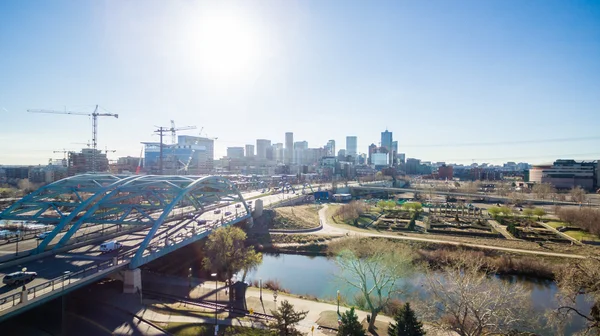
(94,116)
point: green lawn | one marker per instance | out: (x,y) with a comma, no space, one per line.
(579,235)
(202,329)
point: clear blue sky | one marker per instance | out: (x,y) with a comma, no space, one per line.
(433,72)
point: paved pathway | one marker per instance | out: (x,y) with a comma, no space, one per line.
(501,229)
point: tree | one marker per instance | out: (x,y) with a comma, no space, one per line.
(528,212)
(406,324)
(374,267)
(494,211)
(506,211)
(539,212)
(252,260)
(542,190)
(286,319)
(227,254)
(581,278)
(350,326)
(578,194)
(470,303)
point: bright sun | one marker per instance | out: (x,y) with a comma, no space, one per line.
(224,44)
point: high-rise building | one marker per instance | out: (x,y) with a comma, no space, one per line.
(342,155)
(249,150)
(386,140)
(299,152)
(372,150)
(289,147)
(261,148)
(351,146)
(278,152)
(394,154)
(235,152)
(402,157)
(196,152)
(330,148)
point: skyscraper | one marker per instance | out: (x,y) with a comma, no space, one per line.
(351,146)
(278,152)
(330,148)
(386,142)
(261,148)
(289,147)
(235,152)
(249,150)
(394,155)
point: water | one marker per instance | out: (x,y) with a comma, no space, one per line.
(314,275)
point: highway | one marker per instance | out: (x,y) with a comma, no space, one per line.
(54,267)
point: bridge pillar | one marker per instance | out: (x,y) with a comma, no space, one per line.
(132,281)
(258,208)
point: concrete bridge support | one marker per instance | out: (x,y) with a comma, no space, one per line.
(132,281)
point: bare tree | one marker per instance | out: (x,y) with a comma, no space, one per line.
(573,281)
(578,194)
(374,267)
(470,303)
(543,190)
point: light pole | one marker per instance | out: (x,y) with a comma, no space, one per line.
(214,275)
(338,302)
(260,288)
(190,278)
(275,299)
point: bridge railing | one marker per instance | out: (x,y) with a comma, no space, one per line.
(59,283)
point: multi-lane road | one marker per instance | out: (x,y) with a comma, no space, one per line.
(60,265)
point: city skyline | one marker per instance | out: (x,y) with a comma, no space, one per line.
(460,83)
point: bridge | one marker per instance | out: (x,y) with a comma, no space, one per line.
(149,215)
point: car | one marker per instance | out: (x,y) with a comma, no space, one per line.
(202,221)
(20,277)
(43,235)
(227,213)
(238,205)
(216,212)
(249,202)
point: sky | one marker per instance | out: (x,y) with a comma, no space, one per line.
(455,81)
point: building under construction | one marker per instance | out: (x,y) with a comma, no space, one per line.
(88,160)
(190,155)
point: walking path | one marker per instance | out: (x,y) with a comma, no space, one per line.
(205,290)
(328,228)
(501,229)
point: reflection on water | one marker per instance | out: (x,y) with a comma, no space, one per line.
(320,277)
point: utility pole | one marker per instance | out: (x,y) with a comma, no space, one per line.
(161,131)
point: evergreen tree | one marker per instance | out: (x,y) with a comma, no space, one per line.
(286,319)
(350,325)
(406,324)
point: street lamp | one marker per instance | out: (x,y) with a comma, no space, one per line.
(214,275)
(275,298)
(338,302)
(260,288)
(190,277)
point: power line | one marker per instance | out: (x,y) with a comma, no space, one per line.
(518,142)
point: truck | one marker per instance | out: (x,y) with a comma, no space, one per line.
(110,246)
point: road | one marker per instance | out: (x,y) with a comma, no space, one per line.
(55,266)
(331,229)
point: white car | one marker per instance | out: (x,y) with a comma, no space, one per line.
(43,235)
(110,246)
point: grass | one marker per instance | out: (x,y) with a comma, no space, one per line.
(296,217)
(576,234)
(205,329)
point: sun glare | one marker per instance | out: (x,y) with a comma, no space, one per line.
(224,45)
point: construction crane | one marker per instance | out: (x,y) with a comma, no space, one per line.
(94,116)
(161,130)
(174,130)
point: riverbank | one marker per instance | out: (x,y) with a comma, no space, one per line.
(432,254)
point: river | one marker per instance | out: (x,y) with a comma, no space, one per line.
(314,275)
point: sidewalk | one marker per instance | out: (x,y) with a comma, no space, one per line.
(324,313)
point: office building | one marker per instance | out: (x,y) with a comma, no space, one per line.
(249,150)
(445,172)
(394,153)
(195,153)
(372,149)
(235,152)
(342,155)
(330,147)
(289,147)
(278,152)
(351,147)
(402,158)
(299,152)
(567,174)
(261,148)
(380,160)
(386,140)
